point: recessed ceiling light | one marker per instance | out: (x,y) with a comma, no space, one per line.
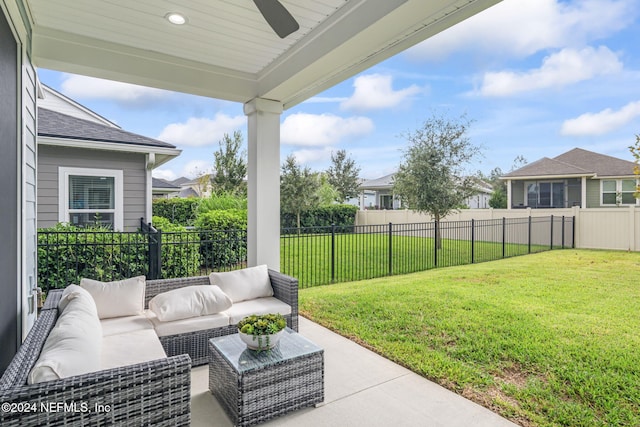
(176,18)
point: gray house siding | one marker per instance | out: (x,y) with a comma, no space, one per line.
(9,176)
(50,158)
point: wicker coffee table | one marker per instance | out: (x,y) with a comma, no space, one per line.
(254,387)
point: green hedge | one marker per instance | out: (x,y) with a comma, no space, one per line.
(178,211)
(180,249)
(67,253)
(323,216)
(223,235)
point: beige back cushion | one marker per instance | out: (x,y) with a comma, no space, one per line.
(245,284)
(118,298)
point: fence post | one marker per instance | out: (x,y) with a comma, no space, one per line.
(435,243)
(573,232)
(562,231)
(473,222)
(390,249)
(154,239)
(551,240)
(529,238)
(504,232)
(333,253)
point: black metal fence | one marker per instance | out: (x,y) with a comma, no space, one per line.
(314,255)
(64,257)
(321,255)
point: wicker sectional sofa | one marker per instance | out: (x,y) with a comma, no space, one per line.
(155,392)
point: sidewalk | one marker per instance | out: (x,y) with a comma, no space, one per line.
(361,388)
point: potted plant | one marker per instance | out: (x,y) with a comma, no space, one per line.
(261,332)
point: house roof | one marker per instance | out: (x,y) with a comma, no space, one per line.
(57,125)
(576,162)
(378,183)
(180,181)
(161,183)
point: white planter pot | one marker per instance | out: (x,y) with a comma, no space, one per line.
(262,342)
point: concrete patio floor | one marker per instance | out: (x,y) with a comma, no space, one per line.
(361,389)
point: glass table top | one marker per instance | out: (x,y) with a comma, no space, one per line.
(291,346)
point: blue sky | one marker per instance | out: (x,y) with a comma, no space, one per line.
(538,77)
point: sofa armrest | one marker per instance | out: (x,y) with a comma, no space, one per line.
(146,393)
(53,298)
(285,288)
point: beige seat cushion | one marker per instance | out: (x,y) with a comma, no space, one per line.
(130,348)
(121,325)
(256,306)
(176,327)
(118,298)
(245,284)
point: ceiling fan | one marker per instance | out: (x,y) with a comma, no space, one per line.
(278,17)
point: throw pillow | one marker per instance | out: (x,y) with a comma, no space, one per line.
(190,301)
(119,298)
(245,284)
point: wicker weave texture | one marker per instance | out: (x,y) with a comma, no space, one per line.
(195,344)
(152,393)
(258,395)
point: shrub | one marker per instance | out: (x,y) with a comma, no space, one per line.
(178,210)
(323,216)
(67,253)
(180,249)
(222,201)
(223,238)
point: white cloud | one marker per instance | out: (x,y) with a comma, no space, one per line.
(166,174)
(196,168)
(320,130)
(374,91)
(311,156)
(196,132)
(601,122)
(562,68)
(84,87)
(522,27)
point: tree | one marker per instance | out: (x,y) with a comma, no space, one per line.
(431,177)
(327,193)
(343,176)
(230,166)
(298,188)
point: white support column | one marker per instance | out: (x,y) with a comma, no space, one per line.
(583,196)
(263,186)
(509,194)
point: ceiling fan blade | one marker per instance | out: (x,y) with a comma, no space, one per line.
(278,17)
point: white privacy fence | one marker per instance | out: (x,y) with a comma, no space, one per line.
(601,228)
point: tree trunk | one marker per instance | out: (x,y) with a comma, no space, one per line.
(438,235)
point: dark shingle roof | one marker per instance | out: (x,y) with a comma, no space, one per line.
(180,181)
(576,162)
(58,125)
(382,182)
(161,183)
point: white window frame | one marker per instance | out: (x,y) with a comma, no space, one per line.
(618,190)
(63,192)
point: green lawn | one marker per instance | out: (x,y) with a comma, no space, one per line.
(365,256)
(545,339)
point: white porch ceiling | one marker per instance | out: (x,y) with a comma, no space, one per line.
(226,50)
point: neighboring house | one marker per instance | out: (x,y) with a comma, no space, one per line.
(196,187)
(383,197)
(381,191)
(90,170)
(576,178)
(162,189)
(480,200)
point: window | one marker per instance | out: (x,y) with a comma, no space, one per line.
(90,197)
(618,191)
(386,201)
(545,194)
